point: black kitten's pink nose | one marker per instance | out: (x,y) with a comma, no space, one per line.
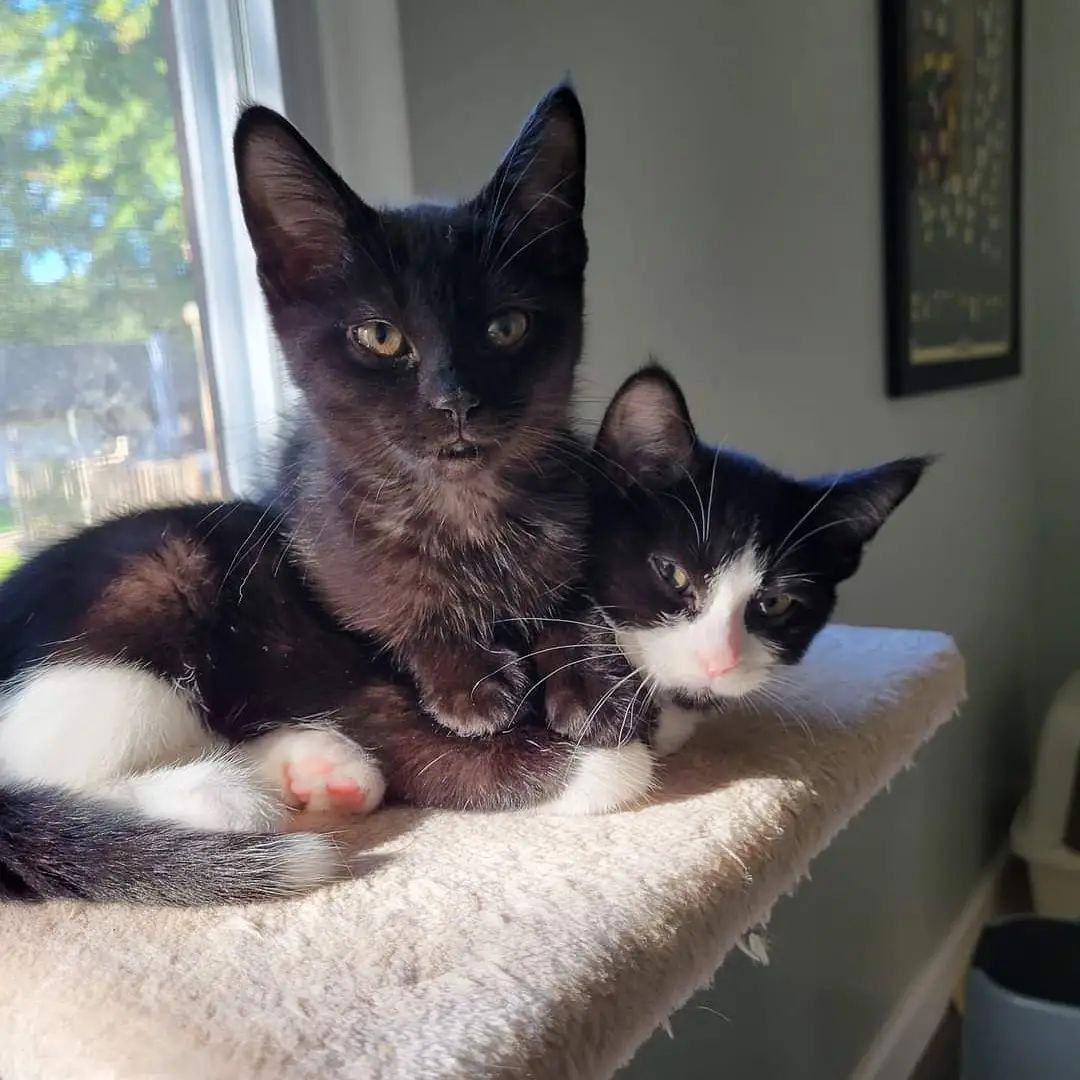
(457,404)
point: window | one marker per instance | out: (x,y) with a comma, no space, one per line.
(136,365)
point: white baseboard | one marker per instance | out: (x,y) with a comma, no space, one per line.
(904,1036)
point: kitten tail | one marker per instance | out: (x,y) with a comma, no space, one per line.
(58,845)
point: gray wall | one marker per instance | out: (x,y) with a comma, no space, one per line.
(1052,227)
(734,220)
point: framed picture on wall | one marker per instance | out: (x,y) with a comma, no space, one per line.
(951,123)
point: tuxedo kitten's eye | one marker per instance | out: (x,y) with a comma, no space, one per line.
(773,605)
(671,573)
(507,328)
(378,337)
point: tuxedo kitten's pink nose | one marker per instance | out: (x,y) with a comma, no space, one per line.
(717,664)
(719,661)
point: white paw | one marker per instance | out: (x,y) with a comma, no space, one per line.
(218,792)
(673,729)
(603,779)
(319,770)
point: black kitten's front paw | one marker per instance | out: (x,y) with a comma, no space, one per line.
(603,706)
(490,703)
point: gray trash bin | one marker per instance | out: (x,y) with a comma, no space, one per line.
(1023,1002)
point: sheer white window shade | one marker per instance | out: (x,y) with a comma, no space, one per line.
(227,56)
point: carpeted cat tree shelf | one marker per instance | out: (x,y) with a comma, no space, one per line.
(484,945)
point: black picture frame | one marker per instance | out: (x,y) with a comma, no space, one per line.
(931,278)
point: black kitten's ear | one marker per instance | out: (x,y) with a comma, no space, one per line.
(863,500)
(647,428)
(537,195)
(296,207)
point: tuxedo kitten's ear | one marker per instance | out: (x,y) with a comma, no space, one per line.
(647,428)
(536,197)
(298,210)
(860,502)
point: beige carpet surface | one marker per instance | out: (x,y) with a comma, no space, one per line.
(483,945)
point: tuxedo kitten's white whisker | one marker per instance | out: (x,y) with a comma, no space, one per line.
(821,498)
(813,532)
(551,619)
(603,700)
(712,486)
(704,533)
(774,699)
(693,520)
(629,716)
(551,674)
(537,652)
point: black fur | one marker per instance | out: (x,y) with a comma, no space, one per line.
(436,494)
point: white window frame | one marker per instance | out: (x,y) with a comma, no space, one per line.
(227,56)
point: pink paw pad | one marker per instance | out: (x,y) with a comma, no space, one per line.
(318,771)
(347,791)
(318,783)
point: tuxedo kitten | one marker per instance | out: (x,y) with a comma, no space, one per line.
(714,569)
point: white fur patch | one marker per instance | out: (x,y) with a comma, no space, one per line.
(221,791)
(673,652)
(603,779)
(673,729)
(82,725)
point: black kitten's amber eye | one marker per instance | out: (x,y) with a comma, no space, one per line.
(379,337)
(773,605)
(671,573)
(507,328)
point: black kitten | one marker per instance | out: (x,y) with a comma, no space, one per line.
(713,568)
(205,666)
(431,485)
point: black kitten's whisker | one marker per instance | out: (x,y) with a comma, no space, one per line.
(529,243)
(229,508)
(568,444)
(244,548)
(271,533)
(549,194)
(386,244)
(495,218)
